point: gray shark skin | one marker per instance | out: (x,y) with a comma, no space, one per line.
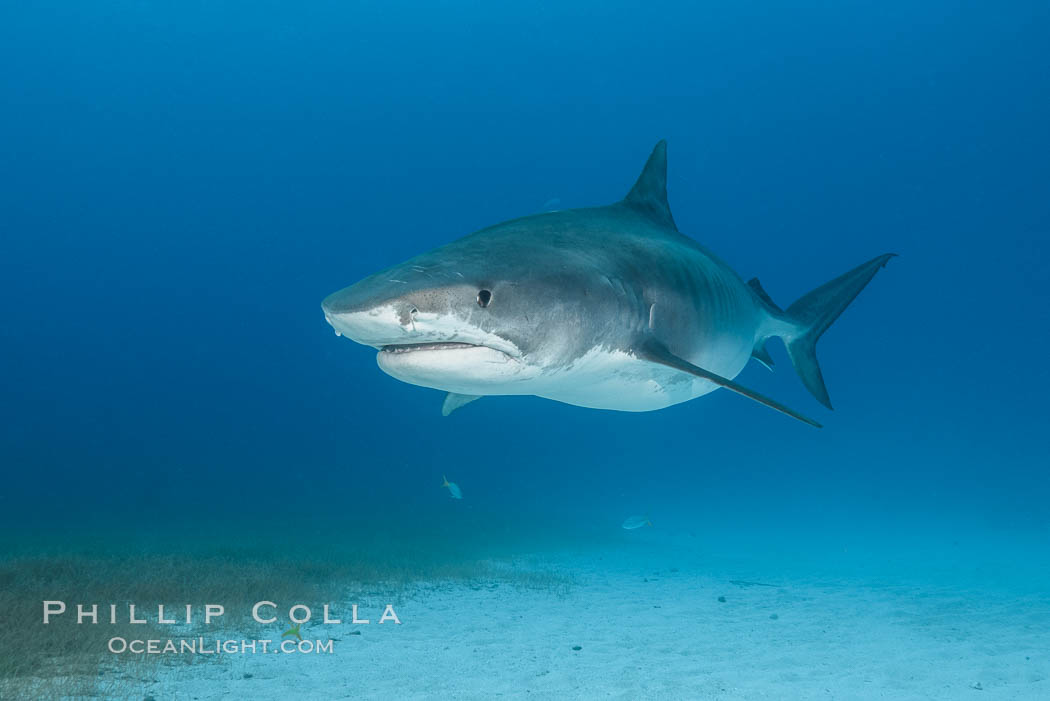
(605,307)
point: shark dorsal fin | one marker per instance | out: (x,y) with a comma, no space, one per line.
(757,288)
(649,194)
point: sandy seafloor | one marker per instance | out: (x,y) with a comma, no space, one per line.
(939,620)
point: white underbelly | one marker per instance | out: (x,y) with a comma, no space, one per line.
(617,380)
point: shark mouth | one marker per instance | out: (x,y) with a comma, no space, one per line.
(415,347)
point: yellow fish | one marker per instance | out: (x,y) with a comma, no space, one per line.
(453,488)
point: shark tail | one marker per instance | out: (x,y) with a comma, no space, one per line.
(807,319)
(444,481)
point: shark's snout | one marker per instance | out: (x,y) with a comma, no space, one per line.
(353,300)
(378,326)
(370,314)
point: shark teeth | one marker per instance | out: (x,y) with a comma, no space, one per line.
(411,347)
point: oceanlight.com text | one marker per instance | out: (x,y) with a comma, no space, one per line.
(200,646)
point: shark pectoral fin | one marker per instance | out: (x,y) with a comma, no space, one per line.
(655,352)
(454,401)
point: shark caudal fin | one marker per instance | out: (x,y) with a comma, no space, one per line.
(810,317)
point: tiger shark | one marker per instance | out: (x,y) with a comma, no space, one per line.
(605,307)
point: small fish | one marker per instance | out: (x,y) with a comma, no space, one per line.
(636,522)
(453,488)
(745,583)
(294,630)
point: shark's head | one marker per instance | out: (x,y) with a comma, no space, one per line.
(507,308)
(485,314)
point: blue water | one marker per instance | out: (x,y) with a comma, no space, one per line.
(182,183)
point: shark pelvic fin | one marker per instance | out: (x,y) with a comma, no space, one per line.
(761,354)
(655,352)
(454,401)
(649,194)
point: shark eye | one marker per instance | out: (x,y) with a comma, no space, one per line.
(484,297)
